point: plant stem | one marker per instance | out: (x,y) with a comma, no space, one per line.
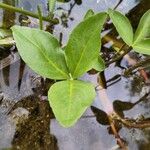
(71,7)
(116,134)
(19,10)
(118,57)
(120,1)
(140,64)
(40,17)
(8,16)
(131,123)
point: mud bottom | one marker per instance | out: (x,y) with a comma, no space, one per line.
(33,133)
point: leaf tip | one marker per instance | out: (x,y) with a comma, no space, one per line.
(66,124)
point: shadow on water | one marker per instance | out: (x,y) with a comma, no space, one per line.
(27,121)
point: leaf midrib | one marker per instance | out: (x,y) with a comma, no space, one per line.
(75,70)
(70,99)
(49,61)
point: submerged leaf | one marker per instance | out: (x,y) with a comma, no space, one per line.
(101,116)
(69,100)
(143,46)
(84,45)
(41,51)
(143,29)
(123,26)
(8,41)
(120,106)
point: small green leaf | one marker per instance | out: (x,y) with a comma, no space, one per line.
(89,13)
(98,64)
(69,100)
(84,45)
(41,51)
(143,47)
(123,26)
(143,29)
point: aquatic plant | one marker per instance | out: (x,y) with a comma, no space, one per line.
(42,53)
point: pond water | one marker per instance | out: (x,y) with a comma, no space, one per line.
(27,122)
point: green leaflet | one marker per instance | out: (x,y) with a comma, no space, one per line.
(122,25)
(41,51)
(84,44)
(143,46)
(98,64)
(70,99)
(143,29)
(89,13)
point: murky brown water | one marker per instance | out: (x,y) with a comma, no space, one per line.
(26,120)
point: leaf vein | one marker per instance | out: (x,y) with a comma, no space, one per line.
(83,51)
(49,61)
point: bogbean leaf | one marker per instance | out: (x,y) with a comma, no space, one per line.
(143,29)
(41,51)
(143,46)
(89,13)
(98,64)
(123,26)
(69,99)
(84,44)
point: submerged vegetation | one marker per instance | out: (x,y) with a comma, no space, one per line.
(70,96)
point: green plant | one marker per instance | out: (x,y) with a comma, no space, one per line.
(140,41)
(41,51)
